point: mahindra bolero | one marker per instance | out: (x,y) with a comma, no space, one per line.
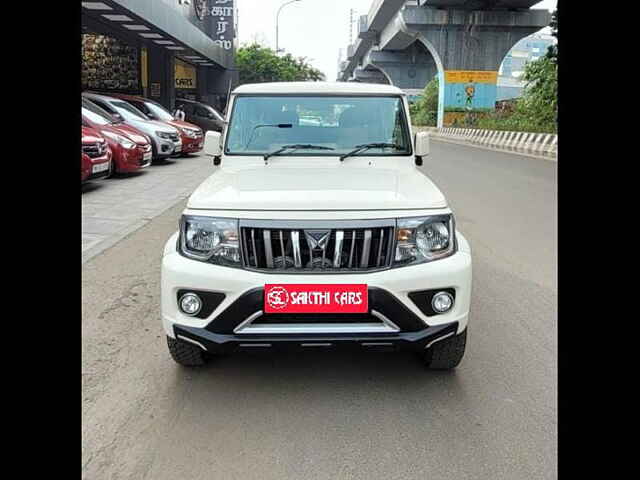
(318,228)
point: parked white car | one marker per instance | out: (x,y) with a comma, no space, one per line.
(317,236)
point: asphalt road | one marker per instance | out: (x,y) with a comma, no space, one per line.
(317,415)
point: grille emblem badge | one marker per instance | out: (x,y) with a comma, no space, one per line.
(317,239)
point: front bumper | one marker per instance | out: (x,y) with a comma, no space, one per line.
(221,343)
(166,148)
(239,294)
(192,145)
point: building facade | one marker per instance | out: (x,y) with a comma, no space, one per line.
(161,49)
(528,49)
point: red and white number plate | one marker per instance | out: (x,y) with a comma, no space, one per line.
(316,298)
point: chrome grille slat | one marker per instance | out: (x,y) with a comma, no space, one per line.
(267,247)
(284,263)
(364,262)
(337,251)
(253,244)
(353,243)
(273,246)
(380,243)
(295,240)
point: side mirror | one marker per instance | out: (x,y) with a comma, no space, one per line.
(422,146)
(212,145)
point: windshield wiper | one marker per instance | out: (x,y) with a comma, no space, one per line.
(304,146)
(274,125)
(367,146)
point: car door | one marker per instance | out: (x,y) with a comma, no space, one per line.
(206,118)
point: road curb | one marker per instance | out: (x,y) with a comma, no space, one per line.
(494,149)
(536,145)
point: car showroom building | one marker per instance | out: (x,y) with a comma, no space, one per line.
(161,49)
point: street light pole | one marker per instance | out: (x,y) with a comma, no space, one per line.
(277,20)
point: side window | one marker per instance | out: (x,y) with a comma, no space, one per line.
(104,105)
(142,107)
(201,112)
(188,108)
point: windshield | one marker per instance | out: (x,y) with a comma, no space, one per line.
(96,113)
(159,112)
(128,111)
(263,124)
(95,117)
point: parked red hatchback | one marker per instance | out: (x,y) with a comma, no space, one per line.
(96,156)
(192,136)
(131,148)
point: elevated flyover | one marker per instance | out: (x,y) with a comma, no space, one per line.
(406,43)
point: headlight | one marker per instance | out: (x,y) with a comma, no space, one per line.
(423,239)
(165,135)
(190,133)
(210,239)
(125,142)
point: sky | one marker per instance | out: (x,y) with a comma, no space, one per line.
(315,29)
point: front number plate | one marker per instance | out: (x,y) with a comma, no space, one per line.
(101,167)
(316,298)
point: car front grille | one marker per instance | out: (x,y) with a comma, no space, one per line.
(94,150)
(317,247)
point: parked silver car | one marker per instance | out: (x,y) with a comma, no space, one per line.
(165,139)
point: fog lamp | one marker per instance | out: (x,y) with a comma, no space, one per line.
(190,303)
(442,302)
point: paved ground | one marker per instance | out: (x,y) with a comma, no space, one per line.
(321,416)
(113,208)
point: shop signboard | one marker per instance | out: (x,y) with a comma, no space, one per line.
(185,75)
(216,18)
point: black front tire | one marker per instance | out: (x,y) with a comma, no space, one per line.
(186,354)
(446,354)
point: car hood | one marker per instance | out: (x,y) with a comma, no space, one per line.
(330,186)
(181,124)
(90,135)
(128,132)
(152,126)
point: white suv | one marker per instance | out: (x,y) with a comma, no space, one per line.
(317,229)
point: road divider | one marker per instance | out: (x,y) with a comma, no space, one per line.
(536,144)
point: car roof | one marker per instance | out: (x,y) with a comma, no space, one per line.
(123,96)
(99,96)
(328,88)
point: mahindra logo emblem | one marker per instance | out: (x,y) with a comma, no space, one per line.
(317,239)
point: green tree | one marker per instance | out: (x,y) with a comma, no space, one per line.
(537,109)
(258,64)
(424,111)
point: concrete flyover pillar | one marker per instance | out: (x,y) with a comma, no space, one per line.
(410,68)
(464,46)
(470,45)
(372,75)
